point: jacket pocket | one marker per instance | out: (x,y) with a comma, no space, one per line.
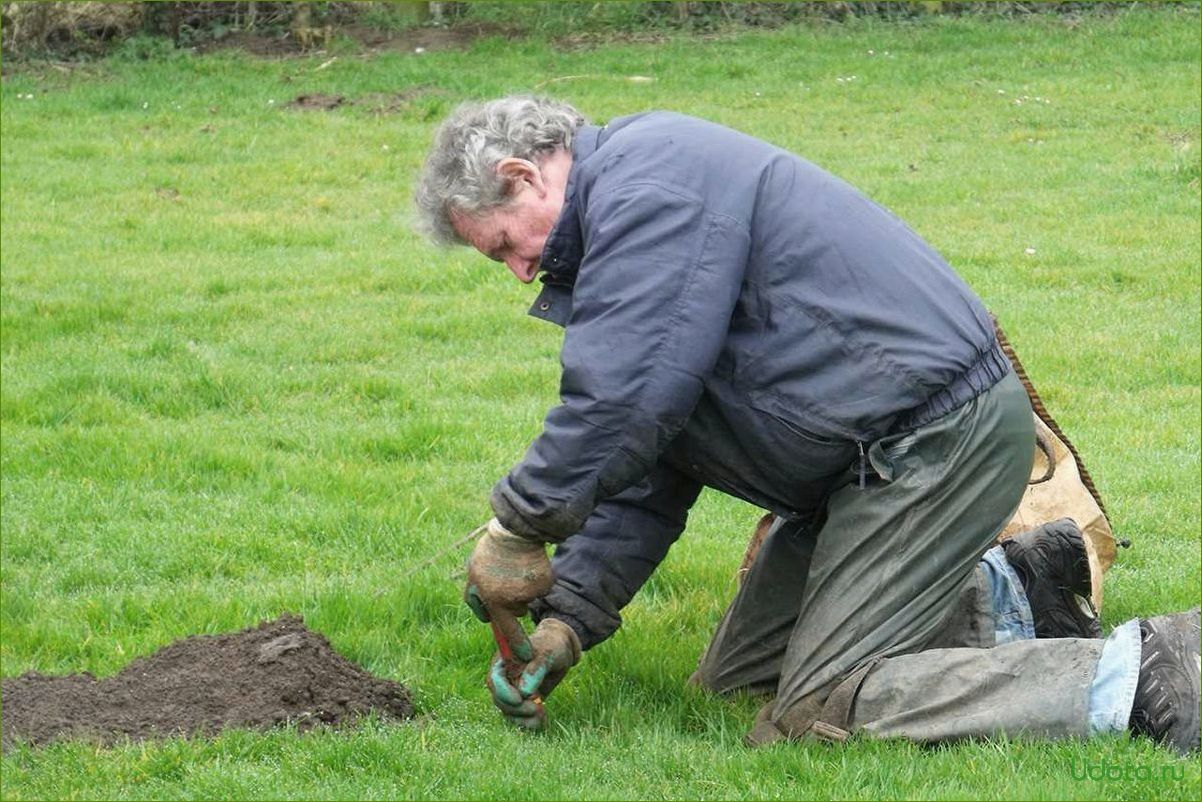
(805,434)
(812,455)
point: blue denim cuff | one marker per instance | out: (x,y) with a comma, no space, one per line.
(1012,619)
(1112,692)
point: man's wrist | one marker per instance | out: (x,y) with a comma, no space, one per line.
(495,527)
(513,519)
(504,535)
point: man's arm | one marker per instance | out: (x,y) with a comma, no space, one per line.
(650,311)
(599,570)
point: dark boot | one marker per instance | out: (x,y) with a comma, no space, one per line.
(1167,696)
(1054,569)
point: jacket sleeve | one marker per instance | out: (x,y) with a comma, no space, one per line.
(650,310)
(599,570)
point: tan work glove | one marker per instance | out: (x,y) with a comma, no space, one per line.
(504,574)
(556,648)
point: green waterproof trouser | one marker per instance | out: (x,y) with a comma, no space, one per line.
(872,616)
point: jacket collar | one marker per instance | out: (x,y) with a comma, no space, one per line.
(564,247)
(565,244)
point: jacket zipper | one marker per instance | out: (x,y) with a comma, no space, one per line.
(863,465)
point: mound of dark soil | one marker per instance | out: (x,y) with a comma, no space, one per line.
(278,672)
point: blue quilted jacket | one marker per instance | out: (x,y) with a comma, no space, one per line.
(735,317)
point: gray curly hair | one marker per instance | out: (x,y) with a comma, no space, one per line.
(460,173)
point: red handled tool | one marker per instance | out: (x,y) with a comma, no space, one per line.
(507,632)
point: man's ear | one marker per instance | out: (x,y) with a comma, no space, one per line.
(515,171)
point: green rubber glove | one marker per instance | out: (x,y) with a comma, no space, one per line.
(519,695)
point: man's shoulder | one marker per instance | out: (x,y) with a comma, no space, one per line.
(658,123)
(670,149)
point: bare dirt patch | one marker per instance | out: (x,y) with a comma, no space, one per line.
(315,102)
(373,102)
(277,673)
(371,40)
(392,102)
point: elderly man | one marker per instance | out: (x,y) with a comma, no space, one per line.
(739,319)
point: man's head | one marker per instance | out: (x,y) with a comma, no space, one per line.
(495,178)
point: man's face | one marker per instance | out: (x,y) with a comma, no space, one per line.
(516,232)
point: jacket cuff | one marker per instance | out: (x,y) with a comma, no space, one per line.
(512,519)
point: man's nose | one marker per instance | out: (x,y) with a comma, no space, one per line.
(522,268)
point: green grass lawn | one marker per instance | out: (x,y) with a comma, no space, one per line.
(235,383)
